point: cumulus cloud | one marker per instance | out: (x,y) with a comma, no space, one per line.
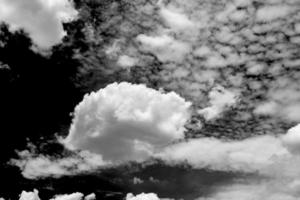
(220,99)
(144,196)
(127,122)
(42,19)
(29,195)
(35,166)
(74,196)
(292,140)
(91,196)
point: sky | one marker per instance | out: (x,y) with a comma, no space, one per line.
(218,120)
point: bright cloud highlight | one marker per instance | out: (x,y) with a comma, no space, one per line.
(42,19)
(125,122)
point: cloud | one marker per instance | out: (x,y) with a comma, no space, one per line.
(164,47)
(220,99)
(125,61)
(144,196)
(176,20)
(238,156)
(29,195)
(42,19)
(74,196)
(269,13)
(35,166)
(292,140)
(125,122)
(272,163)
(91,196)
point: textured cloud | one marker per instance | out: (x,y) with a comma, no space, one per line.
(164,47)
(127,122)
(175,19)
(220,99)
(142,196)
(145,196)
(273,12)
(42,19)
(35,166)
(273,163)
(74,196)
(215,154)
(29,195)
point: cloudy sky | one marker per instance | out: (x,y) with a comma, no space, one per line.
(181,99)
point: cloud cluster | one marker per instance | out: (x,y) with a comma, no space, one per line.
(42,19)
(144,196)
(35,166)
(74,196)
(125,121)
(273,163)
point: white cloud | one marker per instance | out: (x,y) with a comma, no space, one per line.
(266,108)
(220,99)
(29,195)
(37,166)
(91,196)
(164,47)
(74,196)
(126,61)
(176,20)
(215,154)
(292,139)
(127,122)
(142,196)
(42,19)
(269,13)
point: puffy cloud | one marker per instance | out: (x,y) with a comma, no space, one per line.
(176,20)
(220,99)
(269,13)
(127,122)
(91,196)
(29,195)
(74,196)
(42,19)
(292,139)
(35,166)
(126,61)
(164,47)
(142,196)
